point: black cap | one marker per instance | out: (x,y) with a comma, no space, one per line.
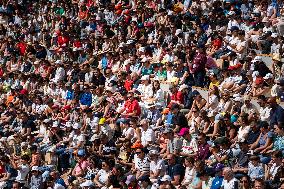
(263,124)
(195,93)
(175,106)
(144,178)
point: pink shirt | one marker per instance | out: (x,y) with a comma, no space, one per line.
(81,166)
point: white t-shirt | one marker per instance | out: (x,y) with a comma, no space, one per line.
(58,186)
(103,176)
(264,113)
(38,108)
(189,175)
(213,101)
(232,184)
(147,136)
(22,173)
(146,90)
(77,138)
(159,165)
(239,46)
(242,132)
(128,131)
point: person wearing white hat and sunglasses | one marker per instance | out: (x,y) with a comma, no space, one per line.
(36,181)
(157,166)
(166,182)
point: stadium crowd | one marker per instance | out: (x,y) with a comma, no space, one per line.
(141,94)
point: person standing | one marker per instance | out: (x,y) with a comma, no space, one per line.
(197,67)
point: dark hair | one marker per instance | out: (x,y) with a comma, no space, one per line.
(261,97)
(254,157)
(190,160)
(25,157)
(202,135)
(263,124)
(260,180)
(277,154)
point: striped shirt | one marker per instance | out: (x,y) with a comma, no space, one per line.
(142,165)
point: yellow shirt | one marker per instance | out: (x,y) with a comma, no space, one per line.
(212,84)
(26,152)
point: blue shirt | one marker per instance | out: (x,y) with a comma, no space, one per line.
(70,95)
(217,182)
(61,182)
(86,99)
(276,116)
(169,119)
(255,171)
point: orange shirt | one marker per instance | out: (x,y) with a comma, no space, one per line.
(10,98)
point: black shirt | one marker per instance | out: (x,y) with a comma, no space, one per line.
(252,136)
(109,148)
(262,69)
(54,139)
(29,124)
(100,80)
(175,170)
(180,120)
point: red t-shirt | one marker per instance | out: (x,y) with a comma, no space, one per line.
(1,72)
(77,44)
(63,40)
(2,169)
(177,97)
(22,48)
(128,85)
(131,106)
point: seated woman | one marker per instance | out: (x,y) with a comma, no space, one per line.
(193,120)
(213,100)
(145,88)
(263,142)
(198,102)
(102,178)
(127,133)
(216,44)
(225,103)
(190,171)
(228,81)
(175,96)
(158,95)
(203,121)
(81,166)
(260,88)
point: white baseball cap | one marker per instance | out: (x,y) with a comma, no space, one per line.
(166,178)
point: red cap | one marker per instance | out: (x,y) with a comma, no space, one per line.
(259,80)
(24,92)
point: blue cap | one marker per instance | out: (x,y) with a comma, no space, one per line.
(234,118)
(195,93)
(234,28)
(81,152)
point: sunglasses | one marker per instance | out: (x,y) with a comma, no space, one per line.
(138,152)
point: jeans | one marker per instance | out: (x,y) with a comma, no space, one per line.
(46,171)
(119,120)
(264,160)
(199,78)
(65,158)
